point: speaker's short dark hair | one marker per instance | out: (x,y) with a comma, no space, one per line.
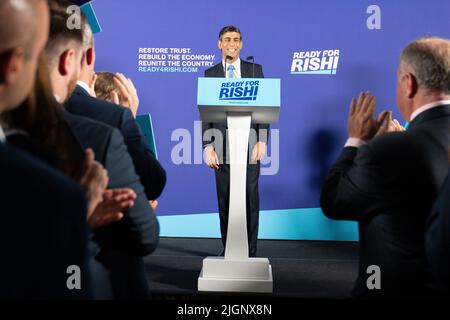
(229,29)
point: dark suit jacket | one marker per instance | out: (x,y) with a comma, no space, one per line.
(138,231)
(438,241)
(220,148)
(389,186)
(150,171)
(43,229)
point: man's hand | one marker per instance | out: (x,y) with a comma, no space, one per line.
(153,204)
(115,202)
(259,151)
(114,97)
(128,93)
(398,127)
(94,181)
(361,121)
(387,124)
(92,86)
(211,158)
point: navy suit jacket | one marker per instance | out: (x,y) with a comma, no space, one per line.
(389,186)
(150,171)
(137,232)
(43,229)
(221,148)
(438,241)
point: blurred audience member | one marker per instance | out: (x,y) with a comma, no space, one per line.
(113,88)
(438,240)
(150,171)
(38,127)
(122,243)
(388,183)
(116,89)
(43,230)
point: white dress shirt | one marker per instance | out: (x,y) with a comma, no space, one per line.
(237,68)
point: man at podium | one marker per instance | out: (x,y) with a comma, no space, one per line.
(216,157)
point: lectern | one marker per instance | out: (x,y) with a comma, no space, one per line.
(238,102)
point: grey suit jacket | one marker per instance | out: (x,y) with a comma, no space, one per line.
(137,232)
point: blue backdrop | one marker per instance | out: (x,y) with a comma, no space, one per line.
(312,124)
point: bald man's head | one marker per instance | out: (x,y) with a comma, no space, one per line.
(423,75)
(13,31)
(24,26)
(429,61)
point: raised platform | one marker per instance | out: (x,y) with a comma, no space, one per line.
(300,269)
(224,275)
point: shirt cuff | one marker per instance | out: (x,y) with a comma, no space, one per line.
(354,142)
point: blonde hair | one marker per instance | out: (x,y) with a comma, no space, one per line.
(105,85)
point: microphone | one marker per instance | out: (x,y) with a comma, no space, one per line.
(252,58)
(227,57)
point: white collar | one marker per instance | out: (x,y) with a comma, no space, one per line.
(2,135)
(427,107)
(84,85)
(57,98)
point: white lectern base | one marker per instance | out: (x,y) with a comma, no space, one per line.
(247,275)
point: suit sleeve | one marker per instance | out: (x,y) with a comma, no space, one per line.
(73,226)
(263,128)
(43,230)
(437,238)
(354,186)
(151,173)
(138,231)
(207,125)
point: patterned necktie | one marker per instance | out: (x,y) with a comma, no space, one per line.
(230,71)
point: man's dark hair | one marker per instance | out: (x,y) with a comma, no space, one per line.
(60,34)
(229,29)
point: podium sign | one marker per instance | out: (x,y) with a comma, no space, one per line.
(217,96)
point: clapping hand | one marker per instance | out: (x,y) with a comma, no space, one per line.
(127,92)
(362,123)
(94,181)
(111,209)
(387,124)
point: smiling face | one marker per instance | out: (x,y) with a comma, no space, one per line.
(231,44)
